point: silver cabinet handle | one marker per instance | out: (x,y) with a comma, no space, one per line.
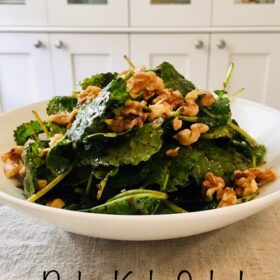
(58,44)
(221,44)
(37,44)
(199,44)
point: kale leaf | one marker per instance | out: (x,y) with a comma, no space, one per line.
(216,115)
(25,131)
(60,157)
(90,119)
(173,79)
(32,129)
(61,104)
(32,162)
(99,80)
(134,202)
(134,147)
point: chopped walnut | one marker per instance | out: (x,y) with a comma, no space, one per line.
(186,137)
(56,203)
(173,152)
(207,99)
(91,92)
(63,118)
(176,123)
(159,110)
(173,98)
(226,197)
(11,168)
(13,165)
(131,115)
(191,109)
(211,185)
(147,82)
(133,107)
(120,124)
(264,175)
(41,183)
(247,181)
(56,138)
(192,95)
(14,154)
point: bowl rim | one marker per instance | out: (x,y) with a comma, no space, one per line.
(257,202)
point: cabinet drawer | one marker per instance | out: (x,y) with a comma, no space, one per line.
(23,12)
(236,13)
(88,12)
(170,12)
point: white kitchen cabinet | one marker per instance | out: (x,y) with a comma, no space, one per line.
(25,69)
(170,12)
(257,65)
(187,52)
(235,13)
(88,12)
(23,13)
(76,56)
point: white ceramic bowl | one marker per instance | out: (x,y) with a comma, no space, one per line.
(260,121)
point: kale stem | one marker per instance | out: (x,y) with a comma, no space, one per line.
(130,63)
(174,207)
(189,119)
(51,185)
(244,134)
(44,128)
(210,114)
(248,197)
(232,95)
(89,183)
(101,186)
(228,76)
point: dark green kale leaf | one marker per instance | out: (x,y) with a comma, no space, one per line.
(173,79)
(26,131)
(32,129)
(193,162)
(60,157)
(216,115)
(134,147)
(256,153)
(99,80)
(134,202)
(90,119)
(61,104)
(169,173)
(221,160)
(33,162)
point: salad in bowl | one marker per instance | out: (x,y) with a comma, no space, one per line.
(140,142)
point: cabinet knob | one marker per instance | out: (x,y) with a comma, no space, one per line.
(199,44)
(37,44)
(58,44)
(221,44)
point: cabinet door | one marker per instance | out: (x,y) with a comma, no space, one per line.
(246,12)
(170,12)
(77,56)
(23,12)
(188,53)
(88,12)
(25,69)
(257,65)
